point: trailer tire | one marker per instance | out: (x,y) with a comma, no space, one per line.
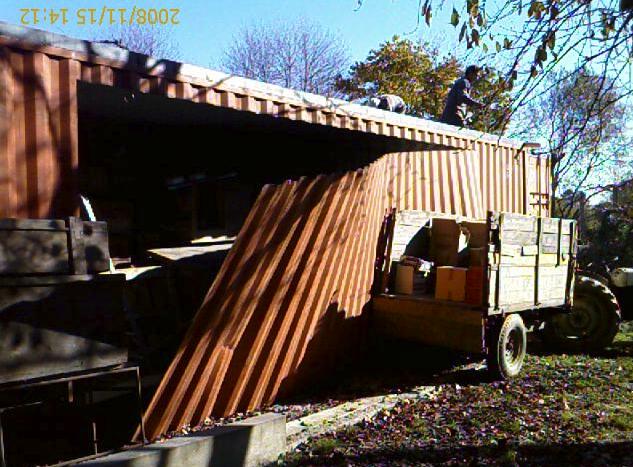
(591,325)
(506,350)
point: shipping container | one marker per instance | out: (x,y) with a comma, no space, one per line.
(168,152)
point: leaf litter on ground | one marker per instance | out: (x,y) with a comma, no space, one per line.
(563,410)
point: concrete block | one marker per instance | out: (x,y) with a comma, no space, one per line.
(255,441)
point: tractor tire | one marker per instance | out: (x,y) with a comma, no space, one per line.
(506,351)
(591,325)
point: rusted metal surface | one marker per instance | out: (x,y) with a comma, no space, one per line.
(306,253)
(300,272)
(39,153)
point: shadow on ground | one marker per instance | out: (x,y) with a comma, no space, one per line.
(621,347)
(610,453)
(390,366)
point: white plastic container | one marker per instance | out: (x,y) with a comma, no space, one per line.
(622,277)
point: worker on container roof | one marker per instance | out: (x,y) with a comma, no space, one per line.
(458,100)
(389,102)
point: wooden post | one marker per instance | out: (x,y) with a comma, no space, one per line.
(539,252)
(76,247)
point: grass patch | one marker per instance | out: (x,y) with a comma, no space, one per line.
(325,446)
(621,421)
(563,410)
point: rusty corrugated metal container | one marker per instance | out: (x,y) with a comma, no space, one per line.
(39,148)
(293,290)
(296,282)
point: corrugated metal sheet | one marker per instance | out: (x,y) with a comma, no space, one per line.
(302,265)
(38,134)
(306,251)
(39,142)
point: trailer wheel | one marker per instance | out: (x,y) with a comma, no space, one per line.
(593,322)
(506,351)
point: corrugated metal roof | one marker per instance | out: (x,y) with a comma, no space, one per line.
(309,107)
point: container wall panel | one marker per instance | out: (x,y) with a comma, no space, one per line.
(39,141)
(303,260)
(297,280)
(38,144)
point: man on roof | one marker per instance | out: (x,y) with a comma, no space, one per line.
(459,100)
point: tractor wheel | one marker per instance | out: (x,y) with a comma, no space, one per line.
(593,322)
(506,351)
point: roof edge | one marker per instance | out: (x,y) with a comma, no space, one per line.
(37,38)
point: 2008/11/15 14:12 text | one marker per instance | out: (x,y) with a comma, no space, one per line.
(100,16)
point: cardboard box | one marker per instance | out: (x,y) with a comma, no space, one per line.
(445,241)
(476,257)
(420,284)
(478,231)
(404,279)
(450,283)
(474,285)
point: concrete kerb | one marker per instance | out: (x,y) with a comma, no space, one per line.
(256,441)
(348,414)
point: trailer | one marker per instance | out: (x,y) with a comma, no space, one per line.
(482,285)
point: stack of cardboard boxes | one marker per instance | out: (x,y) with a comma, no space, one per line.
(458,250)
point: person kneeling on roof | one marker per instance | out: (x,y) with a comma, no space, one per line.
(389,102)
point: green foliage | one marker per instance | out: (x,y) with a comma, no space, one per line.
(420,75)
(325,445)
(606,231)
(574,23)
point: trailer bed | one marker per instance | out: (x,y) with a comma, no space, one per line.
(453,325)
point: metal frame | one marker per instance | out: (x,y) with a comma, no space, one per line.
(69,381)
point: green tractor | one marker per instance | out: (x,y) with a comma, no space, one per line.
(601,301)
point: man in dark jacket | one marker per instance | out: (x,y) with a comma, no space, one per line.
(458,100)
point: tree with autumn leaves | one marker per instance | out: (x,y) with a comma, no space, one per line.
(422,76)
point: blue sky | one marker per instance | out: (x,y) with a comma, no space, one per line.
(207,27)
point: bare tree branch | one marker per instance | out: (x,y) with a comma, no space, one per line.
(301,56)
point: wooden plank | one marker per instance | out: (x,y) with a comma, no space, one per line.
(507,249)
(552,284)
(96,245)
(76,246)
(518,284)
(518,237)
(569,291)
(529,250)
(518,222)
(34,252)
(41,281)
(61,328)
(550,242)
(435,323)
(538,259)
(550,225)
(545,259)
(33,224)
